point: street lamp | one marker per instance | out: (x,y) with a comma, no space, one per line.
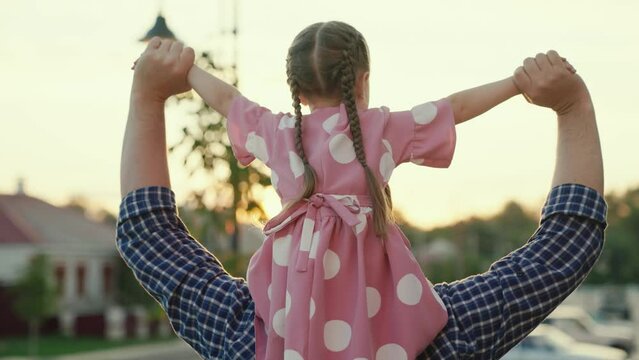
(159,29)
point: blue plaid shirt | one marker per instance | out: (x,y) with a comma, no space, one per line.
(489,313)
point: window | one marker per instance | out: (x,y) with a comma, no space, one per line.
(107,279)
(60,272)
(81,272)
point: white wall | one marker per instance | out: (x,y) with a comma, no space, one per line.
(13,261)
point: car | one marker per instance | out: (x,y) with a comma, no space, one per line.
(549,343)
(577,323)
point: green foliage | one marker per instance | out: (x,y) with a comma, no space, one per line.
(235,264)
(618,263)
(35,295)
(481,241)
(478,241)
(129,291)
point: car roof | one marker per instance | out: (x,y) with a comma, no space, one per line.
(564,312)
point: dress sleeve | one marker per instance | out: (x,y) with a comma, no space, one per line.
(251,128)
(208,308)
(425,135)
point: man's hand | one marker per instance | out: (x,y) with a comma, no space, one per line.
(548,80)
(161,70)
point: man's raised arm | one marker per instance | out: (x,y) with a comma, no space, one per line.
(546,82)
(159,73)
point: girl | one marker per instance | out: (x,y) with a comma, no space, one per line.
(335,277)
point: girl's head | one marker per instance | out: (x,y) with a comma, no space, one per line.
(329,62)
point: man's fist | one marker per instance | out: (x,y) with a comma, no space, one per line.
(161,70)
(548,80)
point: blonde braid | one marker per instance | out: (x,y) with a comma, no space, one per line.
(309,173)
(381,213)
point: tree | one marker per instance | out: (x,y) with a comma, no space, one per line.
(234,189)
(35,297)
(129,292)
(618,264)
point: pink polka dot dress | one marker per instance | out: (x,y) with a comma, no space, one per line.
(324,285)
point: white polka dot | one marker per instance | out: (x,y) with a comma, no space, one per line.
(424,113)
(311,309)
(387,145)
(292,355)
(362,220)
(269,291)
(386,166)
(331,264)
(279,323)
(286,122)
(314,245)
(288,302)
(281,249)
(341,149)
(256,145)
(274,179)
(337,335)
(409,289)
(307,235)
(330,123)
(373,301)
(297,166)
(391,352)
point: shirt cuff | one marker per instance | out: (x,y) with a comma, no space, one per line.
(144,200)
(575,199)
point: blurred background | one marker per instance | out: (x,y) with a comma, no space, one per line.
(65,67)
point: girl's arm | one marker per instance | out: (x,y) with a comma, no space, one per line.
(470,103)
(215,92)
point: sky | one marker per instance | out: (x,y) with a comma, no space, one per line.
(65,71)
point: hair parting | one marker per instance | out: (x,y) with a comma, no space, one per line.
(324,61)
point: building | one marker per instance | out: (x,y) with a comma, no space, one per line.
(81,251)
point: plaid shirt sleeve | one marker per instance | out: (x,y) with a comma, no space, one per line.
(211,310)
(491,312)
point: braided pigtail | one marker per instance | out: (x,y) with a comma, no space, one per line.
(381,212)
(309,173)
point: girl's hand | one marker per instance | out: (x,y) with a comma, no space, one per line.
(161,70)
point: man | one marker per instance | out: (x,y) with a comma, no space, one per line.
(488,313)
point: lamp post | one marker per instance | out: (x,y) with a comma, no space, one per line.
(159,29)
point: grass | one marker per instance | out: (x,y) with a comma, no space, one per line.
(60,345)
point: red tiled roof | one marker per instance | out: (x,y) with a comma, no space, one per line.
(10,232)
(28,220)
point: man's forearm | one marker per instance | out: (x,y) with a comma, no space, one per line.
(579,158)
(144,155)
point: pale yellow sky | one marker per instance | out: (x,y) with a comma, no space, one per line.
(65,69)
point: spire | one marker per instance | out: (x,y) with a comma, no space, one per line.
(20,186)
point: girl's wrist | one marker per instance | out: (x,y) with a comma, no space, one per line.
(514,89)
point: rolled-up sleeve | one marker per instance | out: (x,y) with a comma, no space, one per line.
(491,312)
(211,310)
